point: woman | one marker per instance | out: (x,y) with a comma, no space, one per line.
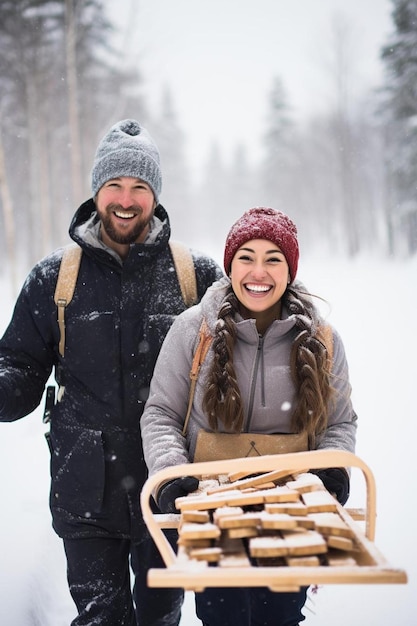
(268,370)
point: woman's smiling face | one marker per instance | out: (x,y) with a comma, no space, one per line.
(259,275)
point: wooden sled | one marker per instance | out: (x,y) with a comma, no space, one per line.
(362,565)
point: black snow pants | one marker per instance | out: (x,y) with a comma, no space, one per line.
(99,581)
(254,606)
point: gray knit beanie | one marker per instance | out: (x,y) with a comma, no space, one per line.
(127,150)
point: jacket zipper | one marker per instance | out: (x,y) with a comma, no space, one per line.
(259,361)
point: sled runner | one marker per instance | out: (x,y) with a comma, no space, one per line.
(267,522)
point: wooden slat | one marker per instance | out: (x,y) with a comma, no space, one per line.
(198,517)
(305,542)
(357,514)
(242,532)
(320,501)
(281,494)
(306,482)
(302,561)
(253,481)
(264,547)
(277,521)
(292,508)
(211,555)
(238,521)
(337,559)
(331,524)
(340,543)
(199,531)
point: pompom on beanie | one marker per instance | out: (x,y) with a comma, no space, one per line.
(127,150)
(264,223)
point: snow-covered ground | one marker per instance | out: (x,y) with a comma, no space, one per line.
(373,304)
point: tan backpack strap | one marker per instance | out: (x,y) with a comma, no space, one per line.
(325,335)
(65,285)
(184,266)
(204,343)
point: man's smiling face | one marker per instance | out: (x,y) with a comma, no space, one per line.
(125,206)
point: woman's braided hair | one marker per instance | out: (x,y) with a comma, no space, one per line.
(310,368)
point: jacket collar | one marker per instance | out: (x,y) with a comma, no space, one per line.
(85,230)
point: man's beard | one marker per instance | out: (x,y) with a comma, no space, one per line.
(117,236)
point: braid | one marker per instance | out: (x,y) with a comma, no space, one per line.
(309,367)
(222,400)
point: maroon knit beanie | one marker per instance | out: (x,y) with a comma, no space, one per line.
(264,223)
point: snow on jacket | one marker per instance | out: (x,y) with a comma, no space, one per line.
(263,374)
(115,325)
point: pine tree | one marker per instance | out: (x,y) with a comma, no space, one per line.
(175,195)
(278,149)
(400,108)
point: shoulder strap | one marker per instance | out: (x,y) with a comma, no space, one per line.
(325,335)
(204,343)
(65,285)
(184,267)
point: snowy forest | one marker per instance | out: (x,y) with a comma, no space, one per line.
(63,83)
(348,179)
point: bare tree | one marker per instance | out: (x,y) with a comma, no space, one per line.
(59,87)
(8,216)
(170,139)
(343,134)
(73,111)
(279,150)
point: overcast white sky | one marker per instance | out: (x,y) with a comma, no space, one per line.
(219,58)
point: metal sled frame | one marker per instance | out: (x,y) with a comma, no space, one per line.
(371,568)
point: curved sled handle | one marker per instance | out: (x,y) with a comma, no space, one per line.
(297,461)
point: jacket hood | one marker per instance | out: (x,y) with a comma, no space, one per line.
(212,300)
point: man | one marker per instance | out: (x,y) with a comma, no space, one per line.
(126,297)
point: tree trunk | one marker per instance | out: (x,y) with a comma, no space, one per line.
(70,32)
(8,215)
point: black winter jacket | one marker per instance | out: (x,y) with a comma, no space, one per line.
(115,325)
